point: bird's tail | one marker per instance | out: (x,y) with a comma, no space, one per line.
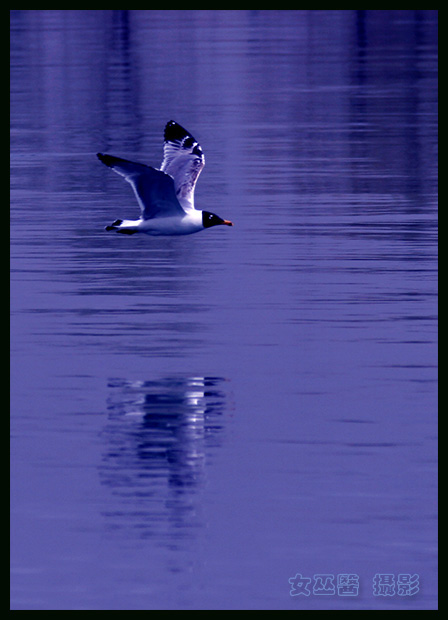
(120,227)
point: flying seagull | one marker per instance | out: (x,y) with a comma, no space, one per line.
(166,196)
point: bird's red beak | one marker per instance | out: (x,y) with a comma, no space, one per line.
(227,222)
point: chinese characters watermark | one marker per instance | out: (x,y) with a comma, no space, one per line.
(348,584)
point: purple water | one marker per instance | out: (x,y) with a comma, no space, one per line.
(196,421)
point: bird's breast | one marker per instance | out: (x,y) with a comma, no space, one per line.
(186,225)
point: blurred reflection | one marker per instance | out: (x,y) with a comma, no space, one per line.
(158,438)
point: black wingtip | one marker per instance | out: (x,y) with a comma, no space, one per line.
(175,132)
(106,159)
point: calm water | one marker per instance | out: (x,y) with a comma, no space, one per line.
(198,420)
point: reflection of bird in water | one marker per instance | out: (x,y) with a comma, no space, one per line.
(158,440)
(178,416)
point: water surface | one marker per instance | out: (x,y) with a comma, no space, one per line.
(197,420)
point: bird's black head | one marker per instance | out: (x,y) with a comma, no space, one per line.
(210,219)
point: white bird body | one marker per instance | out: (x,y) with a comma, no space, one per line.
(173,225)
(166,196)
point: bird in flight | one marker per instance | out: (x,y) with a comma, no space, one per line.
(166,196)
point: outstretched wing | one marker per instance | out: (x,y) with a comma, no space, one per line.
(154,189)
(183,159)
